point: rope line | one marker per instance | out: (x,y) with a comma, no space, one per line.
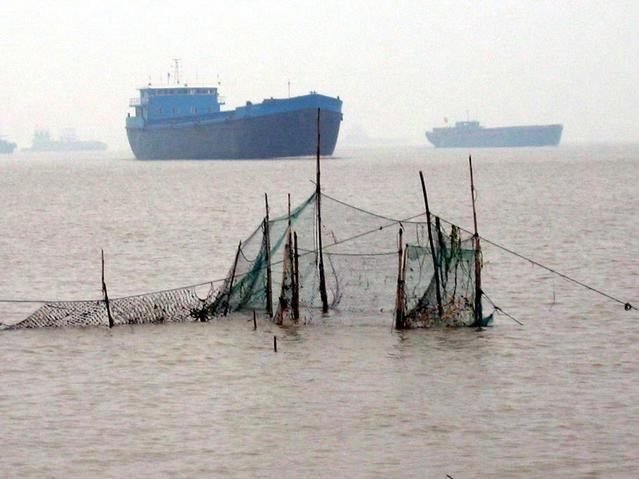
(499,310)
(627,306)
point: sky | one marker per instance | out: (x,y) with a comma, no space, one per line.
(400,67)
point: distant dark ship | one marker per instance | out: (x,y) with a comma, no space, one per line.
(6,147)
(469,134)
(182,122)
(42,141)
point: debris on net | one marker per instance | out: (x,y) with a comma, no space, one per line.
(455,267)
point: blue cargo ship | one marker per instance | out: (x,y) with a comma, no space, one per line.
(470,134)
(185,122)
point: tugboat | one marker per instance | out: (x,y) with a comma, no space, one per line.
(470,134)
(185,122)
(6,147)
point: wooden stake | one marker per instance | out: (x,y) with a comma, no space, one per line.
(440,308)
(227,305)
(318,195)
(275,344)
(399,300)
(296,279)
(106,295)
(478,293)
(287,280)
(267,249)
(254,321)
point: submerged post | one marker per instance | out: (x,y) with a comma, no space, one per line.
(267,250)
(106,296)
(440,308)
(399,300)
(478,293)
(227,305)
(318,198)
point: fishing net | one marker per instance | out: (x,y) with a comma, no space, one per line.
(364,270)
(368,267)
(166,306)
(455,260)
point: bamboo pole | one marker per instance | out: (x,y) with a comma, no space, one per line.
(399,300)
(318,196)
(287,281)
(267,249)
(296,282)
(440,308)
(478,293)
(230,285)
(442,249)
(106,295)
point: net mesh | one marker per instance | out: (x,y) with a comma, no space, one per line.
(276,270)
(167,306)
(360,252)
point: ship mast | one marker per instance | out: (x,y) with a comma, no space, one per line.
(177,70)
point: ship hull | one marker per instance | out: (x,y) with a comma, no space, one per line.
(291,133)
(7,148)
(504,137)
(69,146)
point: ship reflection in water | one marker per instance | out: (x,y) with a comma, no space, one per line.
(467,134)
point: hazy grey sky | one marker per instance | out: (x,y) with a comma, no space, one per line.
(399,66)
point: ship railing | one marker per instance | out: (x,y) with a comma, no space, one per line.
(135,102)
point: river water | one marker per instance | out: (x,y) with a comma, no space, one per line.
(344,395)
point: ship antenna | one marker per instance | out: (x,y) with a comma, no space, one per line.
(289,88)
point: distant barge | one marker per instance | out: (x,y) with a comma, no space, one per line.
(182,122)
(42,142)
(6,147)
(470,134)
